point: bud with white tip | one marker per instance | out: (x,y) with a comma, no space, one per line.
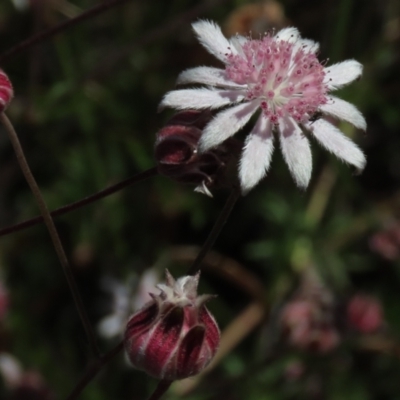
(173,336)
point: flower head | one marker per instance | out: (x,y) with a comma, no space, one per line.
(281,77)
(174,336)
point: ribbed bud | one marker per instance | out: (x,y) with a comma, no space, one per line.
(177,155)
(174,336)
(6,91)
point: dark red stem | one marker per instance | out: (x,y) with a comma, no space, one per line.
(141,176)
(215,231)
(161,388)
(55,30)
(93,370)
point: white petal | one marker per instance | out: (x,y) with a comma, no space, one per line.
(226,123)
(211,37)
(309,45)
(257,154)
(238,41)
(343,110)
(296,151)
(290,35)
(341,74)
(199,98)
(334,141)
(207,76)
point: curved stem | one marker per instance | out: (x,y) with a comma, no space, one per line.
(42,36)
(215,231)
(161,388)
(141,176)
(52,230)
(94,370)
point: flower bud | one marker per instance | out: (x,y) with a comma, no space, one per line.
(6,91)
(177,154)
(364,313)
(174,336)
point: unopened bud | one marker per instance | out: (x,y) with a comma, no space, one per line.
(364,313)
(174,336)
(177,154)
(6,91)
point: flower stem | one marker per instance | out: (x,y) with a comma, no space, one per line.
(161,388)
(52,230)
(42,36)
(141,176)
(215,231)
(94,370)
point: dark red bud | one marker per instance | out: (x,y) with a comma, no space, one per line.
(178,156)
(174,336)
(6,91)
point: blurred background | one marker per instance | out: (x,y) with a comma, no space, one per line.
(307,282)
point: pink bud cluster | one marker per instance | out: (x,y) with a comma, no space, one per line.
(6,91)
(308,319)
(308,326)
(174,336)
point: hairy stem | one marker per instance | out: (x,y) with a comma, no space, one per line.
(215,231)
(55,30)
(141,176)
(52,230)
(93,370)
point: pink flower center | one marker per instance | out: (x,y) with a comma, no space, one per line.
(285,77)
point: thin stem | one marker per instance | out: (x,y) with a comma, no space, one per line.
(42,36)
(161,388)
(52,230)
(95,368)
(215,231)
(141,176)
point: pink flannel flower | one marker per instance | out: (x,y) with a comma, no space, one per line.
(280,77)
(174,336)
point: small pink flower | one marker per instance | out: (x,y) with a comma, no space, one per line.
(307,320)
(6,91)
(280,77)
(364,313)
(174,336)
(308,326)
